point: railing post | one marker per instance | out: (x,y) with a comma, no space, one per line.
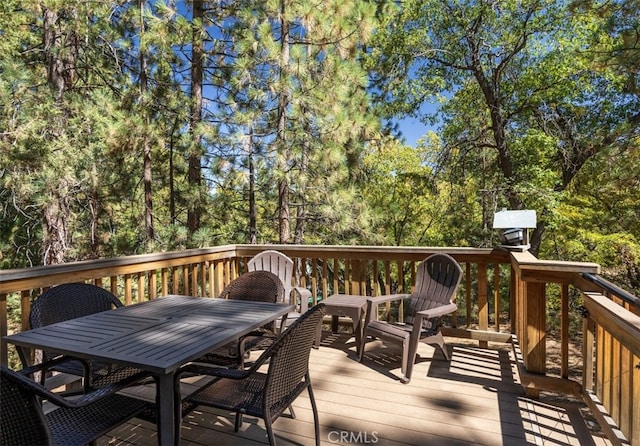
(535,308)
(514,309)
(336,275)
(483,304)
(518,290)
(496,296)
(140,292)
(375,288)
(324,285)
(113,285)
(348,278)
(4,352)
(211,290)
(127,289)
(175,288)
(25,305)
(356,278)
(532,303)
(313,276)
(467,288)
(588,339)
(194,275)
(218,278)
(564,331)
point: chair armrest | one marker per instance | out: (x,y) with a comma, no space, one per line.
(438,311)
(386,298)
(82,400)
(219,372)
(224,372)
(106,390)
(43,366)
(373,302)
(304,294)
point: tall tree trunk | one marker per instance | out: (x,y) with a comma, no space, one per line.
(172,188)
(60,55)
(56,217)
(146,145)
(94,206)
(147,179)
(490,90)
(253,224)
(301,212)
(195,116)
(61,52)
(281,143)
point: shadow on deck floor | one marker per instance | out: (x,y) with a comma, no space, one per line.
(475,399)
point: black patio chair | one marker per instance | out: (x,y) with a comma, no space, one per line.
(264,395)
(69,301)
(76,421)
(256,286)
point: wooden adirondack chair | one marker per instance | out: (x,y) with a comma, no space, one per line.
(437,281)
(282,266)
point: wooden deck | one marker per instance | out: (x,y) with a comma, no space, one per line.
(475,399)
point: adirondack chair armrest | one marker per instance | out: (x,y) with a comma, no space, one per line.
(304,295)
(387,298)
(437,312)
(373,302)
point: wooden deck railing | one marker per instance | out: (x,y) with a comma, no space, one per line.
(611,341)
(611,352)
(324,270)
(502,298)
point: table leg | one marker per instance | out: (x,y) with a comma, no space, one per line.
(357,330)
(334,323)
(25,356)
(165,402)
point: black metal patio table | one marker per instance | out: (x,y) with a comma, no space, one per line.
(158,336)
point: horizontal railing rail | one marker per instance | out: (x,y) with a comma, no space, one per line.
(612,289)
(20,280)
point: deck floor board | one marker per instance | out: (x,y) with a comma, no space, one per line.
(475,399)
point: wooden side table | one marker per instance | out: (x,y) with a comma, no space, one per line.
(351,306)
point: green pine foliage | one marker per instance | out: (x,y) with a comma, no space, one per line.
(537,105)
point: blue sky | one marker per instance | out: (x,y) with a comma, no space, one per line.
(412,130)
(411,127)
